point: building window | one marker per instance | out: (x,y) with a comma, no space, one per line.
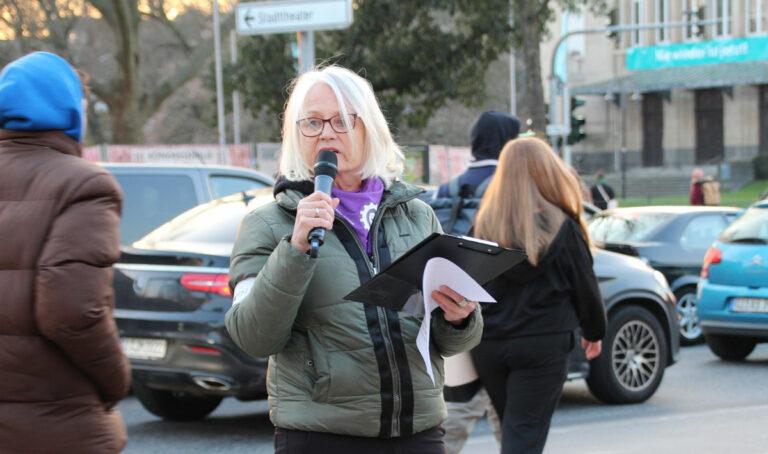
(721,10)
(662,17)
(755,16)
(636,18)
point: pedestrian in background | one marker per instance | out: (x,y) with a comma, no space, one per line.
(603,196)
(62,369)
(534,204)
(343,376)
(466,399)
(488,135)
(695,194)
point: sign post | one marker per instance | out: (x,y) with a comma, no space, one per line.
(300,16)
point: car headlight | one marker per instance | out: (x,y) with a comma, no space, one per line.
(660,279)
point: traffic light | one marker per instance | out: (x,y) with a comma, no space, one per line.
(612,20)
(696,16)
(577,122)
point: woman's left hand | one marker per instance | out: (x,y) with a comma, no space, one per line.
(592,349)
(455,307)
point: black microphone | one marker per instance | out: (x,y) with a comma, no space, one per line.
(325,172)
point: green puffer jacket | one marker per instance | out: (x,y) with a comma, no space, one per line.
(339,366)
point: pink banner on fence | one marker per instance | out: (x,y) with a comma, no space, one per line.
(237,155)
(445,162)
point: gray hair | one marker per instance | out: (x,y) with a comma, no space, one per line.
(382,157)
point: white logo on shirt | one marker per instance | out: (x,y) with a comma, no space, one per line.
(367,214)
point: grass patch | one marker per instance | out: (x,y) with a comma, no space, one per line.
(741,198)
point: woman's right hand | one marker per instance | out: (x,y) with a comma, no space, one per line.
(315,210)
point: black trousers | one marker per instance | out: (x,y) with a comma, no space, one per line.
(524,377)
(301,442)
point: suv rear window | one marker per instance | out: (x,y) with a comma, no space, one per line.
(214,222)
(620,227)
(223,185)
(152,200)
(751,227)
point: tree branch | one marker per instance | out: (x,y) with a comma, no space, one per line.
(107,10)
(199,57)
(163,20)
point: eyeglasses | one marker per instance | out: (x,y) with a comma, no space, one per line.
(313,127)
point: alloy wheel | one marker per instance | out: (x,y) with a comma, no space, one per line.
(635,355)
(690,327)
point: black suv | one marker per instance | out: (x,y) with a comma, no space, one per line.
(172,294)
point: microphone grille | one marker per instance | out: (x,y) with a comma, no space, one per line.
(326,163)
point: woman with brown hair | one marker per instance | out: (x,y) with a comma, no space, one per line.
(533,203)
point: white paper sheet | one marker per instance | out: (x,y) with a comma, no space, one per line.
(437,272)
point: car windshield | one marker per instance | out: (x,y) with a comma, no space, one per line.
(620,227)
(751,227)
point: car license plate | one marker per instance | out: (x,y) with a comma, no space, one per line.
(755,305)
(139,348)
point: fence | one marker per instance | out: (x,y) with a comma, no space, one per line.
(424,164)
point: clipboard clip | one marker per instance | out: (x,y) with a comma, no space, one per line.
(479,247)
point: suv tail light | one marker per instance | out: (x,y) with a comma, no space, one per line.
(712,257)
(208,283)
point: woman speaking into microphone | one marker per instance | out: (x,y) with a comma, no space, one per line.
(343,376)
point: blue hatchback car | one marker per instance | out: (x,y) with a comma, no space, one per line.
(733,291)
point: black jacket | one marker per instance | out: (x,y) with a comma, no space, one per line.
(558,295)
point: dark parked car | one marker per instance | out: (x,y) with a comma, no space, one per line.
(156,193)
(733,292)
(172,294)
(671,239)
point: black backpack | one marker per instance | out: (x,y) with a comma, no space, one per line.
(456,213)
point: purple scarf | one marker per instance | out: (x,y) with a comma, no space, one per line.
(359,208)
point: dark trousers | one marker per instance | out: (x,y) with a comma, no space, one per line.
(301,442)
(524,377)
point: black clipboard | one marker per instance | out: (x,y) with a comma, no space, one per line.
(392,287)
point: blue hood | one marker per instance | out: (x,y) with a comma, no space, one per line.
(39,92)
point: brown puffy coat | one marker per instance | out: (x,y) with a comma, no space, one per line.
(61,366)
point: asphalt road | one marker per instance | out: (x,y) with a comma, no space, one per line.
(703,406)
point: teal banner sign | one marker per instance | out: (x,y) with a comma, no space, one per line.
(698,53)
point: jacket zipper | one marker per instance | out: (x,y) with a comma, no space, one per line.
(381,312)
(382,316)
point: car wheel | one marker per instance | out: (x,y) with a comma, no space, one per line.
(631,366)
(690,327)
(730,348)
(175,406)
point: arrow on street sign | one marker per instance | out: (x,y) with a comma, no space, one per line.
(248,18)
(261,18)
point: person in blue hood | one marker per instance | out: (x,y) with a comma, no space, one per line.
(62,369)
(42,92)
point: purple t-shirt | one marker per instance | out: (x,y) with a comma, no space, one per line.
(359,208)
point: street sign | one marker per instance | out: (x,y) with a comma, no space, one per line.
(261,18)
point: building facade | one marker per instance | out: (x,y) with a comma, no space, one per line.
(691,91)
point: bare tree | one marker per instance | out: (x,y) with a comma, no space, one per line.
(133,91)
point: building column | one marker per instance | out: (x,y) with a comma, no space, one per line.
(762,127)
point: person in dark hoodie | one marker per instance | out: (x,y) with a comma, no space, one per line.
(62,369)
(534,204)
(488,135)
